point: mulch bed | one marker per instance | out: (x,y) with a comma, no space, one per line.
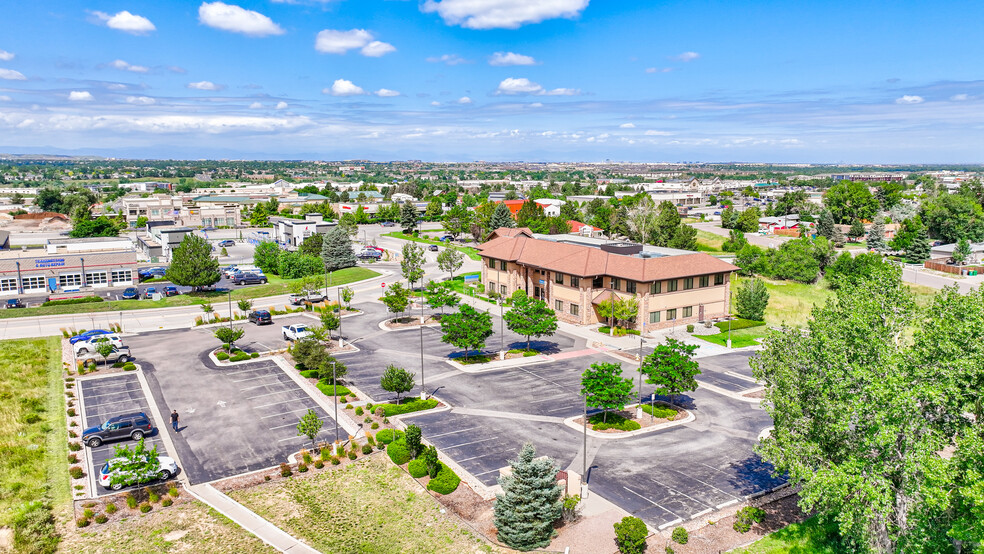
(413,321)
(646,420)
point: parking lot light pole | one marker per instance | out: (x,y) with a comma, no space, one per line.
(334,391)
(639,407)
(502,332)
(341,342)
(230,308)
(584,453)
(423,389)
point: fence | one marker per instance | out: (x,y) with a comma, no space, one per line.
(940,264)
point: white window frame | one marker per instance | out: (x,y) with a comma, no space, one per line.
(120,275)
(8,284)
(100,277)
(42,282)
(66,280)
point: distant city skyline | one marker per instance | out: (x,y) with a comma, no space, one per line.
(461,80)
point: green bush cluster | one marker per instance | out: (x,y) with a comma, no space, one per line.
(319,464)
(335,461)
(285,470)
(630,535)
(173,491)
(83,300)
(111,508)
(145,507)
(254,354)
(101,518)
(680,535)
(166,502)
(76,472)
(738,324)
(302,467)
(746,517)
(367,449)
(129,366)
(74,446)
(417,468)
(359,411)
(222,356)
(387,436)
(82,522)
(659,411)
(131,501)
(398,452)
(412,405)
(240,357)
(599,422)
(446,481)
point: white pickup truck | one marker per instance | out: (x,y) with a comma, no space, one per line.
(296,332)
(298,299)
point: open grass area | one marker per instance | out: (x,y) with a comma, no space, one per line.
(367,506)
(812,536)
(466,250)
(709,242)
(188,527)
(739,338)
(274,287)
(33,441)
(406,406)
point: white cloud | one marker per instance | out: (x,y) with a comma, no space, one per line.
(562,92)
(343,87)
(627,126)
(11,75)
(281,105)
(5,98)
(386,93)
(909,99)
(204,85)
(686,57)
(6,56)
(652,133)
(959,97)
(331,41)
(126,22)
(80,96)
(154,124)
(502,14)
(435,103)
(511,58)
(116,86)
(523,85)
(449,59)
(659,69)
(177,69)
(464,100)
(232,18)
(255,106)
(124,66)
(140,100)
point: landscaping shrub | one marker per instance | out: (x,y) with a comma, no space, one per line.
(398,452)
(319,464)
(348,406)
(746,517)
(370,439)
(408,406)
(690,328)
(412,440)
(374,425)
(70,412)
(630,535)
(241,357)
(302,467)
(446,481)
(417,468)
(101,518)
(680,535)
(285,470)
(369,407)
(71,434)
(367,449)
(88,513)
(615,421)
(380,411)
(254,354)
(325,454)
(335,461)
(131,501)
(82,522)
(83,300)
(118,364)
(129,366)
(145,507)
(222,356)
(738,324)
(173,491)
(153,497)
(166,502)
(76,472)
(74,446)
(73,458)
(659,411)
(358,411)
(339,450)
(386,436)
(306,456)
(309,373)
(111,508)
(352,455)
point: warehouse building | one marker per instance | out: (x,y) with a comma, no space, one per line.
(69,265)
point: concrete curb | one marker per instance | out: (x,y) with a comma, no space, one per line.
(629,434)
(735,395)
(498,364)
(344,420)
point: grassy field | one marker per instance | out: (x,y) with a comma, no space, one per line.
(368,506)
(33,441)
(811,536)
(275,286)
(739,339)
(466,250)
(189,527)
(709,242)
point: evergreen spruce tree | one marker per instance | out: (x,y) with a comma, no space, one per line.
(919,251)
(838,237)
(825,227)
(876,236)
(336,249)
(408,217)
(192,264)
(501,217)
(529,505)
(856,231)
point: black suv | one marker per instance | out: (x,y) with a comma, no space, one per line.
(260,317)
(249,278)
(134,426)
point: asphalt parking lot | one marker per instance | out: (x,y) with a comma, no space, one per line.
(730,371)
(107,397)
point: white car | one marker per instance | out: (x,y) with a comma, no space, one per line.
(167,469)
(83,347)
(296,332)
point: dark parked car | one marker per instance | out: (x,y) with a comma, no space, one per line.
(149,293)
(260,317)
(370,254)
(88,335)
(227,242)
(432,248)
(134,426)
(170,291)
(131,293)
(249,278)
(14,303)
(387,224)
(447,238)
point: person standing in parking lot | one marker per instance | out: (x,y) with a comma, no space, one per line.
(174,420)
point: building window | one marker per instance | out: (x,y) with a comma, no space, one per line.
(120,275)
(33,283)
(491,286)
(559,278)
(653,317)
(656,288)
(95,278)
(671,314)
(70,280)
(704,281)
(719,279)
(575,281)
(502,290)
(597,283)
(630,286)
(574,308)
(558,305)
(491,263)
(688,283)
(502,265)
(7,285)
(616,283)
(671,286)
(688,311)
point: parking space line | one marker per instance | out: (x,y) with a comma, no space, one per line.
(248,370)
(250,378)
(674,491)
(292,438)
(451,432)
(548,399)
(726,504)
(271,394)
(114,392)
(484,455)
(85,388)
(671,512)
(290,412)
(263,385)
(472,442)
(670,523)
(282,426)
(116,412)
(131,400)
(685,476)
(740,376)
(486,472)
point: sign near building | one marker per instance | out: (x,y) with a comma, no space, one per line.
(49,262)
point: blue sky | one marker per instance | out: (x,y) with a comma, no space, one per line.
(459,80)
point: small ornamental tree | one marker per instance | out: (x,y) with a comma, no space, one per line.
(331,321)
(450,260)
(229,335)
(309,426)
(336,249)
(961,251)
(397,298)
(530,317)
(630,535)
(207,310)
(751,300)
(467,329)
(104,350)
(530,503)
(192,264)
(398,380)
(347,295)
(244,305)
(136,465)
(432,461)
(604,387)
(672,368)
(441,294)
(412,438)
(412,263)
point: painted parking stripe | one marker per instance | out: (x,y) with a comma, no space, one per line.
(653,503)
(675,491)
(281,402)
(670,523)
(452,432)
(485,472)
(472,442)
(293,438)
(550,398)
(740,376)
(130,400)
(252,378)
(248,370)
(290,412)
(692,478)
(114,392)
(265,385)
(104,414)
(93,387)
(486,455)
(273,393)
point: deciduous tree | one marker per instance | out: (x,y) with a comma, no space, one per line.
(672,368)
(134,465)
(530,317)
(412,263)
(467,329)
(397,298)
(441,295)
(398,380)
(408,217)
(192,264)
(229,335)
(604,387)
(450,260)
(309,426)
(752,299)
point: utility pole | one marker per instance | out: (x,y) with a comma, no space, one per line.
(639,407)
(584,454)
(341,343)
(230,308)
(423,389)
(334,386)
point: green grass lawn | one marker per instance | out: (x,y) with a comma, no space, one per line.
(739,338)
(33,440)
(275,286)
(810,537)
(466,250)
(709,242)
(367,506)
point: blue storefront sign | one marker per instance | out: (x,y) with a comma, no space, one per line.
(49,262)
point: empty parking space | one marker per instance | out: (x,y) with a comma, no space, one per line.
(728,371)
(109,397)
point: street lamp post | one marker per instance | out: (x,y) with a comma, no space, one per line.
(341,342)
(230,308)
(639,407)
(502,331)
(729,330)
(83,271)
(423,389)
(334,391)
(584,454)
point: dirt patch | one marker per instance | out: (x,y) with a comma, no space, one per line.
(755,394)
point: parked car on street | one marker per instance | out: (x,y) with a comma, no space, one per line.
(296,332)
(249,278)
(134,425)
(131,293)
(166,468)
(14,303)
(260,317)
(92,343)
(119,354)
(88,335)
(227,242)
(150,292)
(432,248)
(298,299)
(170,291)
(387,224)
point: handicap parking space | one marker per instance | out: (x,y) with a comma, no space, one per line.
(108,397)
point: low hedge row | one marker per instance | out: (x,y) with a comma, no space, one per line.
(83,300)
(412,405)
(738,324)
(614,421)
(446,481)
(328,389)
(659,410)
(417,468)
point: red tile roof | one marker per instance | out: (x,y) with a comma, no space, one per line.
(586,261)
(513,205)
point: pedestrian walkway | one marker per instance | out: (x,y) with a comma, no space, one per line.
(248,520)
(575,354)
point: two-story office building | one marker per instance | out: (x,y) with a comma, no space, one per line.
(574,275)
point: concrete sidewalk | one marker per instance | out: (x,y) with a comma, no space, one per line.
(248,520)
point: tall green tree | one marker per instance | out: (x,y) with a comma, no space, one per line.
(229,335)
(397,380)
(729,217)
(441,295)
(672,368)
(457,220)
(849,201)
(450,260)
(501,217)
(336,250)
(751,300)
(748,221)
(530,214)
(961,251)
(266,256)
(684,238)
(825,225)
(396,298)
(412,263)
(408,217)
(951,217)
(467,329)
(603,386)
(525,512)
(736,241)
(856,231)
(434,209)
(665,226)
(919,250)
(192,264)
(530,317)
(876,236)
(309,426)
